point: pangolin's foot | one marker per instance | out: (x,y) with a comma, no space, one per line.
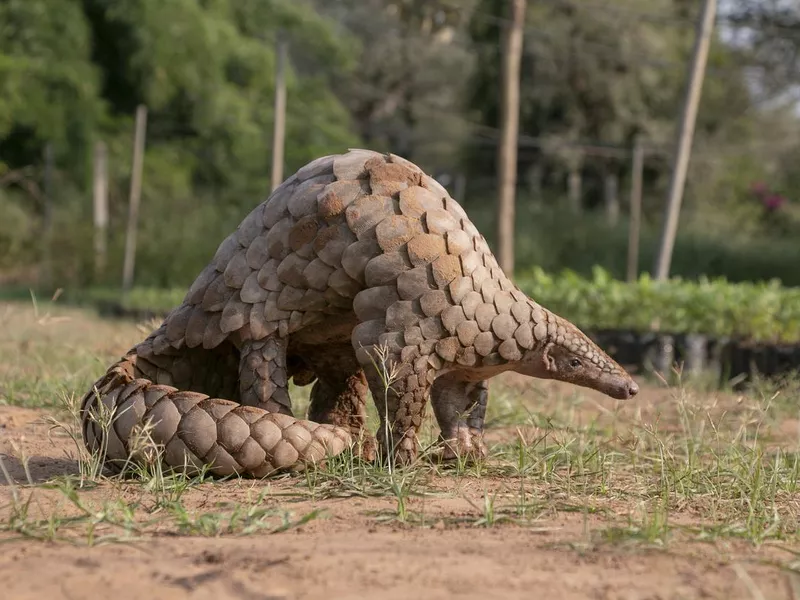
(365,447)
(403,447)
(467,445)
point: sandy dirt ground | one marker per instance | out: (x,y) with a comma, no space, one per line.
(348,553)
(356,547)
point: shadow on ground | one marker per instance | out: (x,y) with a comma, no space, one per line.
(39,469)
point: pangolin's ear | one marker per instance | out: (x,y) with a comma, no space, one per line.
(549,361)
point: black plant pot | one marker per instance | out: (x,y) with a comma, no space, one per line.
(658,354)
(694,353)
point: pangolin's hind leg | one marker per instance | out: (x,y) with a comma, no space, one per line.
(460,410)
(262,375)
(339,396)
(212,372)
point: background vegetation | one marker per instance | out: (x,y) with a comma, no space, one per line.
(419,78)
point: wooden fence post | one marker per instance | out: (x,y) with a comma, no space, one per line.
(135,197)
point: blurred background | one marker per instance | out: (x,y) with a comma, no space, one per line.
(601,82)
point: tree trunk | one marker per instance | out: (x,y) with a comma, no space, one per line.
(47,221)
(637,168)
(509,135)
(279,127)
(683,150)
(100,205)
(129,260)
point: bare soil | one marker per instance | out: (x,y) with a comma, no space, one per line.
(358,548)
(347,554)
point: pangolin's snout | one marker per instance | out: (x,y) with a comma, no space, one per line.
(622,389)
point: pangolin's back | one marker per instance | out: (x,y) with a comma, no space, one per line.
(343,224)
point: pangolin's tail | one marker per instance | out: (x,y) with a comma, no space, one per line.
(125,418)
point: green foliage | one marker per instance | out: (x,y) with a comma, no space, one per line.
(206,71)
(599,75)
(72,73)
(15,231)
(763,311)
(49,87)
(407,93)
(417,77)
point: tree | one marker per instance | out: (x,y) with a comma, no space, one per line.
(72,72)
(407,90)
(509,136)
(599,75)
(49,86)
(768,33)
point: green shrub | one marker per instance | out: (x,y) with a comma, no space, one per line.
(763,312)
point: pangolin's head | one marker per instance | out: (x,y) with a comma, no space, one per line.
(564,353)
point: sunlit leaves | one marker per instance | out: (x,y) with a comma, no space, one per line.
(48,84)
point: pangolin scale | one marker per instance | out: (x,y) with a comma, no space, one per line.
(353,253)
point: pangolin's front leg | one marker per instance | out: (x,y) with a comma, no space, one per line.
(400,392)
(460,410)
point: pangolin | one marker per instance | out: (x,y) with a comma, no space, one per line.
(356,267)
